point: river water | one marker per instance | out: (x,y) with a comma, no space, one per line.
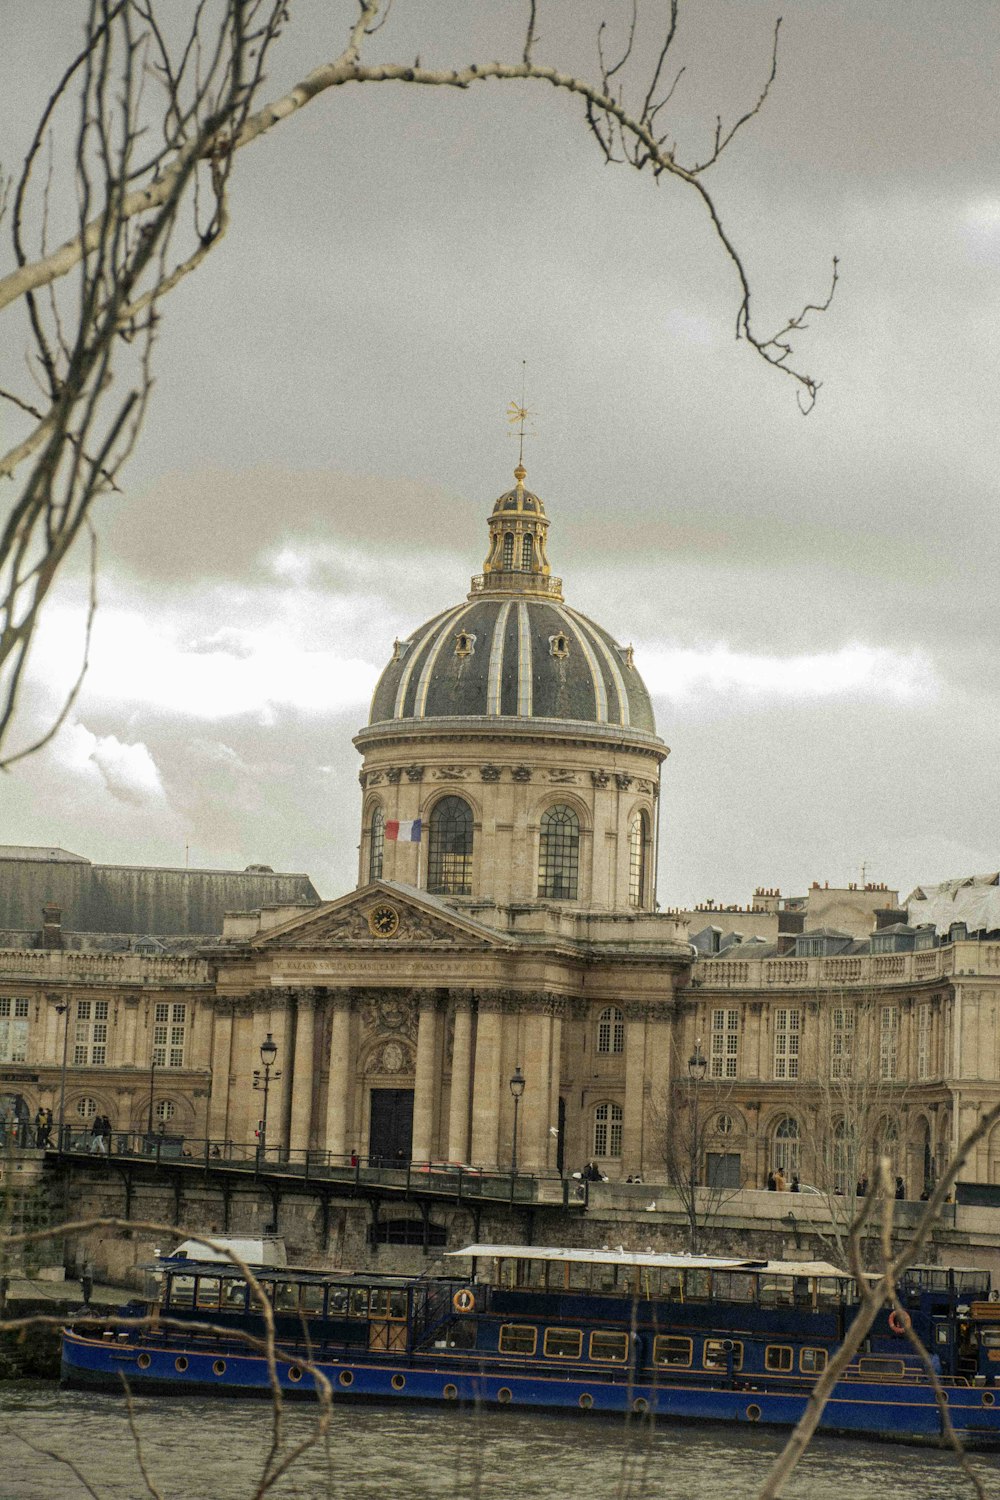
(214,1450)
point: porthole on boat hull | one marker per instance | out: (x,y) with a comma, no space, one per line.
(143,1361)
(180,1364)
(753,1412)
(586,1401)
(640,1406)
(294,1373)
(503,1396)
(988,1398)
(398,1382)
(450,1393)
(219,1368)
(346,1378)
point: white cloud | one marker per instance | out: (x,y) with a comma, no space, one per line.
(127,771)
(852,671)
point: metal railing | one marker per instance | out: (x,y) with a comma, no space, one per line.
(439,1179)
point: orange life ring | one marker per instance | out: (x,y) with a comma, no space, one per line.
(899,1322)
(463,1301)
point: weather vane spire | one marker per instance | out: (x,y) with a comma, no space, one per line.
(517,416)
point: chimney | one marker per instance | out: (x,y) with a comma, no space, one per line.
(52,935)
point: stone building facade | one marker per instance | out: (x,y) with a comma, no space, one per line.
(505,919)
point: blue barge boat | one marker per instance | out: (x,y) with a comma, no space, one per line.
(613,1332)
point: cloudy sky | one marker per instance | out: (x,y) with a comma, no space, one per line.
(812,600)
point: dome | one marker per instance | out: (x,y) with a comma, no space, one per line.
(513,650)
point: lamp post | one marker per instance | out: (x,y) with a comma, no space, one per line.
(268,1053)
(517,1089)
(697,1068)
(63,1010)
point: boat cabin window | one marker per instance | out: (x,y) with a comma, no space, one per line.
(563,1343)
(733,1286)
(286,1296)
(990,1337)
(208,1292)
(830,1291)
(715,1355)
(234,1295)
(182,1291)
(517,1338)
(388,1302)
(462,1334)
(312,1299)
(777,1357)
(669,1350)
(881,1368)
(697,1285)
(337,1305)
(812,1361)
(776,1291)
(266,1290)
(609,1346)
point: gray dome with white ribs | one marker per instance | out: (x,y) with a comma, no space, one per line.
(513,657)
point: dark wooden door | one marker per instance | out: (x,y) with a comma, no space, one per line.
(390,1137)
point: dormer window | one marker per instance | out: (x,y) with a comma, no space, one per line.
(510,503)
(529,503)
(465,643)
(559,646)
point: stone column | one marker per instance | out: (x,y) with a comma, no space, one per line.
(461,1080)
(303,1081)
(130,1020)
(221,1063)
(533,1131)
(338,1087)
(486,1082)
(558,1008)
(425,1080)
(635,1074)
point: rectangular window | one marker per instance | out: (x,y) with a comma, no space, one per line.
(881,1369)
(716,1357)
(90,1042)
(812,1361)
(842,1043)
(563,1343)
(169,1026)
(669,1350)
(777,1357)
(208,1292)
(923,1041)
(725,1043)
(518,1338)
(13,1029)
(888,1041)
(787,1030)
(609,1346)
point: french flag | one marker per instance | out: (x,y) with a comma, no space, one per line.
(403,833)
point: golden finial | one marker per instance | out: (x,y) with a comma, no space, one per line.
(517,415)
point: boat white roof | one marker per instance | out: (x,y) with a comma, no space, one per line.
(647,1258)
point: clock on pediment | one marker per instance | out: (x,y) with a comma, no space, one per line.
(383,920)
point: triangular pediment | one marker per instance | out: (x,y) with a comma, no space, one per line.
(383,916)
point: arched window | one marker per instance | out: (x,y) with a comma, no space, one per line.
(611,1030)
(449,854)
(508,550)
(785,1150)
(165,1110)
(86,1108)
(527,551)
(638,835)
(376,844)
(559,854)
(608,1130)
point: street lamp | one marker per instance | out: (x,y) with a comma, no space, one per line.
(517,1089)
(63,1010)
(268,1053)
(697,1068)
